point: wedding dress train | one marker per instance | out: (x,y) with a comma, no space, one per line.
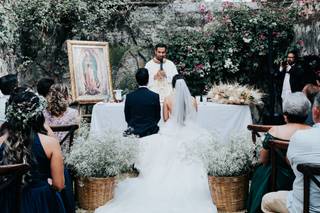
(172,176)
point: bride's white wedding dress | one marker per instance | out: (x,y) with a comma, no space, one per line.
(172,176)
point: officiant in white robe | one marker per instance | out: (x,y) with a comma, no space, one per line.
(161,71)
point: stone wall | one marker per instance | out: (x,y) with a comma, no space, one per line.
(7,62)
(134,43)
(150,23)
(310,34)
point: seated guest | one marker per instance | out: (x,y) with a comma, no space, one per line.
(26,142)
(7,85)
(295,109)
(58,112)
(44,85)
(310,90)
(304,147)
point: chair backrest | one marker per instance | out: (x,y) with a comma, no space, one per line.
(256,129)
(276,146)
(309,172)
(70,129)
(14,174)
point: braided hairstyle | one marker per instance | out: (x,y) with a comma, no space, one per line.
(24,121)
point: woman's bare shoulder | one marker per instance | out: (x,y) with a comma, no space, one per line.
(287,130)
(49,140)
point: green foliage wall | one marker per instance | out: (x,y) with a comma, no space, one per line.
(232,44)
(43,26)
(235,44)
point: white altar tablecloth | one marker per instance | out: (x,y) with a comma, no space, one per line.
(223,119)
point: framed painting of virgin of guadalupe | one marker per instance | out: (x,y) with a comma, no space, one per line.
(90,71)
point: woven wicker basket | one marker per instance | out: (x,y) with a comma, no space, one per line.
(94,192)
(229,193)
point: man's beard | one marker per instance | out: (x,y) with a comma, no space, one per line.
(160,58)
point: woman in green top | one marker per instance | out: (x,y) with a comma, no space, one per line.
(295,109)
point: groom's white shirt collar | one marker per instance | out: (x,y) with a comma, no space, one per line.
(143,86)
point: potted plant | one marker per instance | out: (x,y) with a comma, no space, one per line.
(95,161)
(228,166)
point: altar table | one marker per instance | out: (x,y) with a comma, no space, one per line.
(222,119)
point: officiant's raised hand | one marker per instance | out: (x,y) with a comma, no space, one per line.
(160,75)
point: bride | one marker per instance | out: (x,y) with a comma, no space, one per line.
(172,176)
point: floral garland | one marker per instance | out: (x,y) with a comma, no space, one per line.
(234,94)
(26,111)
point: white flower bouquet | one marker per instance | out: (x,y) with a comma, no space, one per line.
(234,94)
(235,158)
(104,155)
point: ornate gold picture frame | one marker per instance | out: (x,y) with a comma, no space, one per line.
(90,71)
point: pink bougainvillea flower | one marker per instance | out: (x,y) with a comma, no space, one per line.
(199,66)
(227,4)
(262,36)
(202,8)
(301,43)
(275,34)
(208,18)
(226,19)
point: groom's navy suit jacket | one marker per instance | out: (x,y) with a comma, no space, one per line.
(142,112)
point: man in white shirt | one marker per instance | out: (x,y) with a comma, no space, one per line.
(161,71)
(292,76)
(304,147)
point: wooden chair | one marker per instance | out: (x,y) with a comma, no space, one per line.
(255,129)
(276,146)
(70,129)
(309,172)
(14,176)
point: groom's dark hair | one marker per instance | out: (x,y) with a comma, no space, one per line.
(142,76)
(175,78)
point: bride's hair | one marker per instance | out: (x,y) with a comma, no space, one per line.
(175,78)
(183,109)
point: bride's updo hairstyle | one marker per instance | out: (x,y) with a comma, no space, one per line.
(175,78)
(24,121)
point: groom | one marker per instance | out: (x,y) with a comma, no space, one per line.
(142,108)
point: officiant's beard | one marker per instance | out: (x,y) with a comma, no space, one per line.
(160,54)
(160,58)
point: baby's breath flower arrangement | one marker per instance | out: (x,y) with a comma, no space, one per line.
(231,159)
(105,155)
(234,94)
